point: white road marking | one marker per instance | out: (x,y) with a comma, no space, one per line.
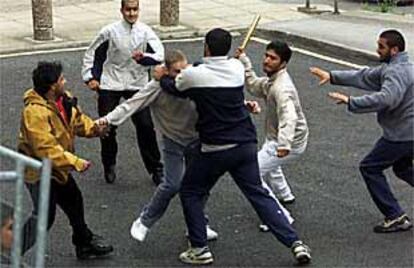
(256,39)
(74,49)
(315,55)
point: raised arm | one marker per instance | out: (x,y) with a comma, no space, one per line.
(137,102)
(366,78)
(389,96)
(255,85)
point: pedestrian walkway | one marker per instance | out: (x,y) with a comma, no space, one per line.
(353,30)
(77,22)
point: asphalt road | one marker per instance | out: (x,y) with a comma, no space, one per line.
(333,211)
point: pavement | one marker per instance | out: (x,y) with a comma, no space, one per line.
(77,22)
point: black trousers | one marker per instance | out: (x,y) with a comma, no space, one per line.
(69,198)
(386,154)
(241,162)
(146,137)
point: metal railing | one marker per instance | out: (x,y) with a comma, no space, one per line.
(17,175)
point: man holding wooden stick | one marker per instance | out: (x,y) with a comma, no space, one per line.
(228,144)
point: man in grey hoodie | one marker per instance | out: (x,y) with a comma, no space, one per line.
(393,101)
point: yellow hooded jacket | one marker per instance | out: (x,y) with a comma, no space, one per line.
(44,134)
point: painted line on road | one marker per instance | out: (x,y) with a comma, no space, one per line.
(194,39)
(315,55)
(40,52)
(74,49)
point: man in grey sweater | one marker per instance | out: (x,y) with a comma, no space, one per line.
(175,120)
(393,101)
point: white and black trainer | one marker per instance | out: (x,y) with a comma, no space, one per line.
(301,252)
(197,256)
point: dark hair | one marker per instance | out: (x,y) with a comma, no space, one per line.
(218,41)
(123,2)
(173,56)
(281,49)
(6,213)
(394,39)
(45,75)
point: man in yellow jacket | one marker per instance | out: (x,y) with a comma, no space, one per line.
(50,121)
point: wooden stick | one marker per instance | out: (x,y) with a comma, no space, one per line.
(250,32)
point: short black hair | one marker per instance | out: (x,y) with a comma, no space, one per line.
(281,49)
(123,2)
(45,75)
(218,41)
(394,39)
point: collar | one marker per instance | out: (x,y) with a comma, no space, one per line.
(274,76)
(400,57)
(129,25)
(215,59)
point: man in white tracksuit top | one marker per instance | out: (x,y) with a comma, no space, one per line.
(286,127)
(116,66)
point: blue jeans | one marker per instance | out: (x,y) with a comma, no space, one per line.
(174,158)
(399,156)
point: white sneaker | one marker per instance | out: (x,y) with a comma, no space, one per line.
(211,234)
(264,228)
(287,199)
(197,256)
(139,230)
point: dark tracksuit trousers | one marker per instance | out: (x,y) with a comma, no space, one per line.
(146,137)
(385,154)
(241,162)
(69,198)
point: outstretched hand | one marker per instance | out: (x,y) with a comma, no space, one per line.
(323,75)
(338,97)
(102,127)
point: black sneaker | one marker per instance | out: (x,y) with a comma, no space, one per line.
(96,248)
(399,224)
(110,174)
(157,177)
